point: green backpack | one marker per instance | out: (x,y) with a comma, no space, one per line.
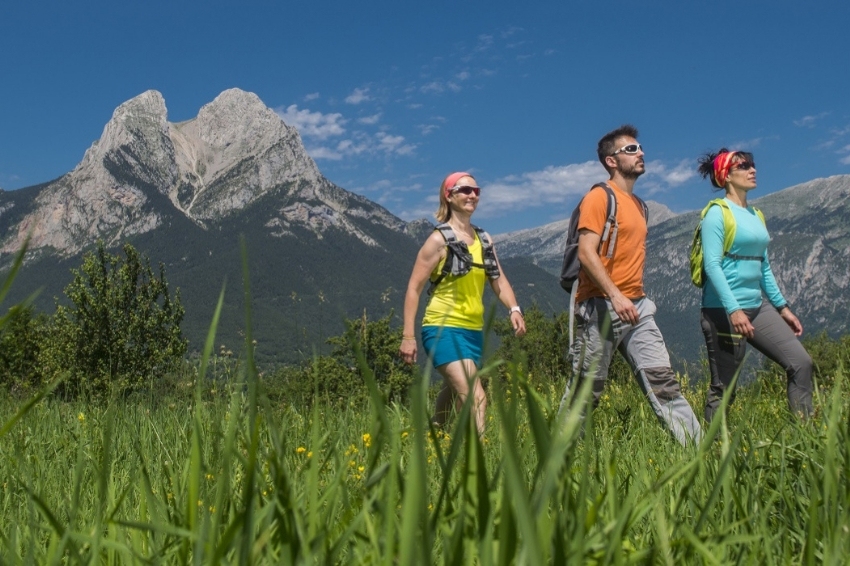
(697,270)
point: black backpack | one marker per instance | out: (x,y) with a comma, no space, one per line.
(572,266)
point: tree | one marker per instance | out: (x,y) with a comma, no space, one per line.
(21,339)
(122,330)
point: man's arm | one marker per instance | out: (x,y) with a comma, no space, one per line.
(588,244)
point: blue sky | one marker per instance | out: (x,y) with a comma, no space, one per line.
(391,96)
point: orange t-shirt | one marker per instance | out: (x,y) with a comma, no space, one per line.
(625,267)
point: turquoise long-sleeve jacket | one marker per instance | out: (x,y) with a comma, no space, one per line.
(734,283)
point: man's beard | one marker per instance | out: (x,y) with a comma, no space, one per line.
(632,172)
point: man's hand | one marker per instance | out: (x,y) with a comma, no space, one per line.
(625,309)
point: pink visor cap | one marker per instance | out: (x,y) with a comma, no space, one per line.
(452,179)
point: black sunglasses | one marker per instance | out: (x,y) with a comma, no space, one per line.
(745,165)
(466,190)
(630,149)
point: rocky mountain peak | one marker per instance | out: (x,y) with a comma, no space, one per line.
(235,152)
(236,115)
(138,117)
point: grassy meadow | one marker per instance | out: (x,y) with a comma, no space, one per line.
(224,476)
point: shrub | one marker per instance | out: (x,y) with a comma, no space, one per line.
(336,378)
(122,330)
(21,341)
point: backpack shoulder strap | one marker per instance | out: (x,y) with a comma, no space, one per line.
(448,235)
(609,232)
(760,214)
(729,225)
(445,230)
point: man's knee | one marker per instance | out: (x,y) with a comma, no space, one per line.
(663,384)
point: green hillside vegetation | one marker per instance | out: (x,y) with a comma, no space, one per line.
(303,289)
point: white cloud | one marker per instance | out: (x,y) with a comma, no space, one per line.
(352,147)
(433,86)
(561,185)
(485,42)
(680,173)
(426,129)
(463,75)
(809,121)
(746,145)
(552,185)
(361,143)
(311,96)
(359,95)
(394,144)
(370,120)
(845,160)
(323,153)
(313,124)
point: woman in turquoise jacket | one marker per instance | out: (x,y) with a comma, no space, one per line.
(741,302)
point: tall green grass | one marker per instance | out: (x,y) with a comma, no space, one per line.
(234,479)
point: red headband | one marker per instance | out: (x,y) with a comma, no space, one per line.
(450,181)
(722,164)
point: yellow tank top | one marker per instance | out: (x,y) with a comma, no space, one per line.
(457,300)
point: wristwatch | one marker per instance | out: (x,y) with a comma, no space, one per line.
(512,310)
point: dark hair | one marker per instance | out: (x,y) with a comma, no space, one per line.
(606,145)
(706,163)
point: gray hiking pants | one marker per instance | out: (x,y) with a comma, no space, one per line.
(600,331)
(773,338)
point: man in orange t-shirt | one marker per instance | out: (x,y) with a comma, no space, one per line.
(612,310)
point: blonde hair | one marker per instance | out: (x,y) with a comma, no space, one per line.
(444,212)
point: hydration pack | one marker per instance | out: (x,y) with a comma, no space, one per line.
(729,228)
(459,259)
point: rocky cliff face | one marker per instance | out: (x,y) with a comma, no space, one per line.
(145,169)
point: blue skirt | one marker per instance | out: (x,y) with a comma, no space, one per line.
(445,344)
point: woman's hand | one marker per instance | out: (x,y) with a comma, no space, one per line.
(791,321)
(741,324)
(518,322)
(407,350)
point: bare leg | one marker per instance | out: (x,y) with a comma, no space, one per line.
(457,384)
(444,405)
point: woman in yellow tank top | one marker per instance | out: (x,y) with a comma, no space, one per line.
(453,326)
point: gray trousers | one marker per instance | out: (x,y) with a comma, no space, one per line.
(773,338)
(600,331)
